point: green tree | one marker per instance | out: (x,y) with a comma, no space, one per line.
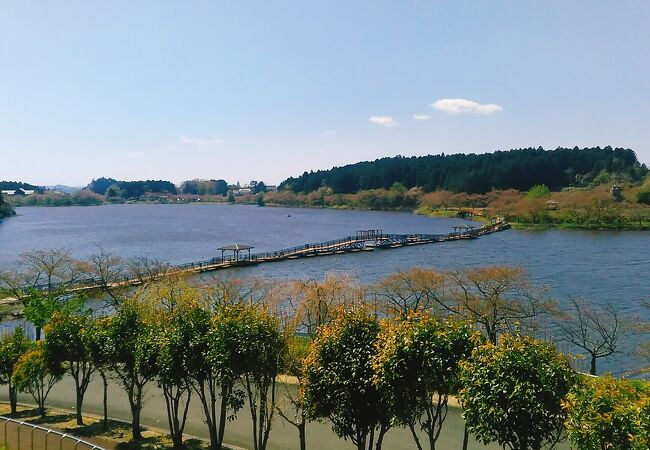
(66,349)
(643,197)
(40,306)
(128,347)
(6,209)
(173,302)
(417,368)
(34,374)
(605,413)
(251,340)
(231,197)
(12,347)
(538,191)
(210,373)
(339,379)
(398,187)
(98,342)
(172,379)
(298,348)
(259,188)
(259,199)
(513,392)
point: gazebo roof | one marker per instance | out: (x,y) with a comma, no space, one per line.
(236,247)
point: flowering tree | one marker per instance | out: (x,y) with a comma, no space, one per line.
(33,374)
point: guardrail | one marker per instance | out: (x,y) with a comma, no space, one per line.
(65,441)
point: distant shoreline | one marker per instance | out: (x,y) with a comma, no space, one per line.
(439,213)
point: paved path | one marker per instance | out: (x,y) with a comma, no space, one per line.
(238,432)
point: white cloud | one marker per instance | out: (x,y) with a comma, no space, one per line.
(199,142)
(329,132)
(383,121)
(418,116)
(463,106)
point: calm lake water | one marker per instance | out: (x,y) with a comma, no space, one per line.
(603,266)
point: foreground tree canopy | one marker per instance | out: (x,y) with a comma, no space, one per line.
(339,379)
(366,357)
(417,367)
(512,393)
(609,413)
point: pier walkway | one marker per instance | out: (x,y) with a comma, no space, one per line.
(365,240)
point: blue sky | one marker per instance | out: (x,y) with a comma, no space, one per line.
(265,90)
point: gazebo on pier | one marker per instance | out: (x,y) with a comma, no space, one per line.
(462,229)
(236,249)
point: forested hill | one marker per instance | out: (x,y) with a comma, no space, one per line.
(515,169)
(128,189)
(13,185)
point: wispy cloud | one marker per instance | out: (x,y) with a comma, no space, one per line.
(418,116)
(384,121)
(463,106)
(329,132)
(200,143)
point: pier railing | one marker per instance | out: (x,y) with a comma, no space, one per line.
(365,239)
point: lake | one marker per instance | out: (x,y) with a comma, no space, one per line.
(603,266)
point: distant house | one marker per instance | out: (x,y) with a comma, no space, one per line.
(242,191)
(271,188)
(552,205)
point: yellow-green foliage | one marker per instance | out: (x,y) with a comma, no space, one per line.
(605,413)
(512,393)
(339,377)
(417,366)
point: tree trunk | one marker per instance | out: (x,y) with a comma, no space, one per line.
(208,404)
(175,416)
(105,381)
(38,333)
(592,370)
(380,438)
(222,419)
(465,438)
(13,397)
(415,436)
(302,435)
(80,399)
(135,404)
(40,399)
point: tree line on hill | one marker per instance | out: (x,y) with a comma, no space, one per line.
(366,359)
(110,187)
(13,185)
(471,173)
